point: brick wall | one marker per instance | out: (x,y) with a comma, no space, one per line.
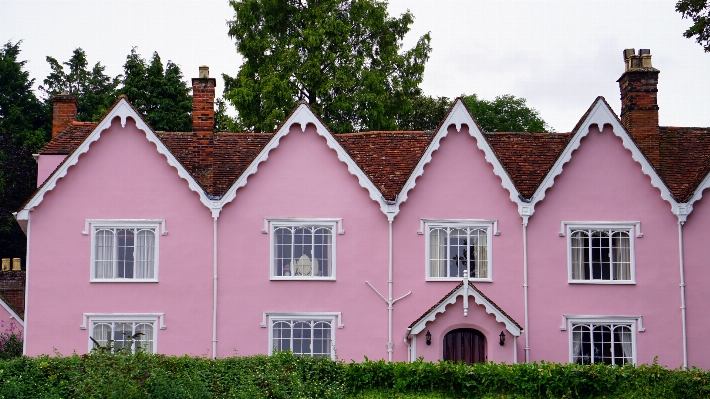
(12,289)
(203,90)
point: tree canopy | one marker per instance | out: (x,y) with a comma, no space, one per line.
(21,113)
(94,90)
(505,113)
(160,94)
(699,12)
(342,57)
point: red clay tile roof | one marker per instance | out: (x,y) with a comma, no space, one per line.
(387,158)
(684,159)
(528,157)
(446,297)
(69,139)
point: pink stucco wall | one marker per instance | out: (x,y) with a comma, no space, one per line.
(8,322)
(46,164)
(302,178)
(696,253)
(603,183)
(121,177)
(458,183)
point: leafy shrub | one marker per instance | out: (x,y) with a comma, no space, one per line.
(106,375)
(10,340)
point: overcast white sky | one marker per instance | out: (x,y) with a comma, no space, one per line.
(558,54)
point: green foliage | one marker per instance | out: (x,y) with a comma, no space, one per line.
(283,375)
(10,340)
(426,113)
(506,113)
(94,90)
(159,94)
(699,12)
(21,113)
(342,57)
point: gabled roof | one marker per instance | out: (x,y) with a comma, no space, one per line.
(387,157)
(528,157)
(465,289)
(68,140)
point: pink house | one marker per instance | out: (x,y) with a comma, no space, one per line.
(587,247)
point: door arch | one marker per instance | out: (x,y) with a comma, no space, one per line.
(466,345)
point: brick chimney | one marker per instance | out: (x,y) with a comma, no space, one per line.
(64,109)
(639,101)
(203,88)
(12,289)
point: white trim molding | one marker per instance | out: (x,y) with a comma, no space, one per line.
(122,110)
(489,225)
(268,221)
(337,315)
(467,291)
(113,222)
(160,317)
(459,115)
(12,313)
(567,317)
(304,116)
(565,223)
(601,115)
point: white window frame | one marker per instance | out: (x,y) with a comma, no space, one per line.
(633,322)
(335,226)
(330,317)
(156,319)
(490,226)
(92,226)
(634,229)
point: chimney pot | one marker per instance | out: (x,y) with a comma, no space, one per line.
(204,72)
(5,264)
(644,51)
(16,264)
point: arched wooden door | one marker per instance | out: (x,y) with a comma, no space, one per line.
(466,345)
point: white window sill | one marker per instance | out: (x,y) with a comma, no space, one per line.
(124,280)
(603,282)
(459,279)
(284,278)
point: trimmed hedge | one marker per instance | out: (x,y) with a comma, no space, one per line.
(286,376)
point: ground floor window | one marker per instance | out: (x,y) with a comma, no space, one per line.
(133,335)
(609,343)
(311,336)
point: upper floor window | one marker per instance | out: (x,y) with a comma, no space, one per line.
(601,254)
(303,250)
(457,246)
(124,252)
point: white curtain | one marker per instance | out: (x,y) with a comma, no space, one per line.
(578,248)
(437,253)
(577,344)
(626,344)
(102,333)
(145,341)
(480,240)
(104,252)
(621,247)
(145,254)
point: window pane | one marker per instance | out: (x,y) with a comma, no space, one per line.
(458,252)
(579,243)
(144,340)
(145,254)
(282,336)
(623,345)
(600,254)
(125,245)
(478,253)
(321,339)
(102,333)
(621,249)
(601,337)
(103,253)
(322,251)
(302,338)
(437,253)
(581,345)
(283,258)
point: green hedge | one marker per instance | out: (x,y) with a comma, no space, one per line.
(287,376)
